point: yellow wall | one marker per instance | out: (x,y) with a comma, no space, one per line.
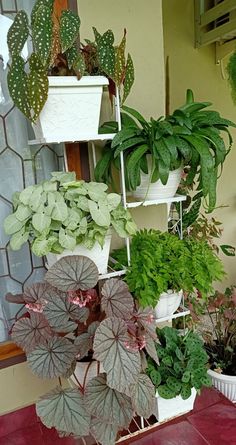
(18,387)
(196,69)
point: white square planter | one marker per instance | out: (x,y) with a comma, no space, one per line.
(168,303)
(72,110)
(169,408)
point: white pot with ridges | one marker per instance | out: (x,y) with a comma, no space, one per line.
(168,303)
(226,384)
(151,191)
(72,110)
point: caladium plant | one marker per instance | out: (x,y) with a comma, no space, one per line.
(67,320)
(61,213)
(56,51)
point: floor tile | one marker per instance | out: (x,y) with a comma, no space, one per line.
(17,420)
(27,436)
(217,424)
(208,397)
(178,434)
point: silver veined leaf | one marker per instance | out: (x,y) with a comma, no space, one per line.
(18,33)
(143,396)
(64,410)
(107,404)
(104,433)
(116,299)
(111,347)
(69,29)
(52,359)
(146,319)
(30,332)
(17,81)
(60,313)
(151,349)
(84,341)
(72,273)
(42,33)
(36,293)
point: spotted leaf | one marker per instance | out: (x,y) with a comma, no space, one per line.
(42,33)
(18,33)
(120,61)
(37,85)
(69,29)
(129,78)
(18,85)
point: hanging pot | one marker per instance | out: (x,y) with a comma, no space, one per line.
(72,110)
(168,303)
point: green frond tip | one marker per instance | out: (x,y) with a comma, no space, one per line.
(189,96)
(231,68)
(18,33)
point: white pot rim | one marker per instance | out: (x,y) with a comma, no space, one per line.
(171,292)
(58,81)
(224,377)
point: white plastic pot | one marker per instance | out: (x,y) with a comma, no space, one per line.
(97,254)
(169,408)
(224,383)
(168,303)
(72,110)
(148,191)
(85,371)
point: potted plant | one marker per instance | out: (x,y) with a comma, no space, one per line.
(68,321)
(53,87)
(163,266)
(63,216)
(218,329)
(156,151)
(181,374)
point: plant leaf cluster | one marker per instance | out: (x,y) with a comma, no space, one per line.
(161,261)
(61,213)
(56,51)
(219,332)
(67,321)
(183,364)
(191,137)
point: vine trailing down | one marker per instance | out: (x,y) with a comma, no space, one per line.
(67,321)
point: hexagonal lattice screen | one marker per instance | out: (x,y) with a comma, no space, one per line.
(20,166)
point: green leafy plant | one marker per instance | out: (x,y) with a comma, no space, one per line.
(231,68)
(183,364)
(161,261)
(68,321)
(218,328)
(61,213)
(191,137)
(56,51)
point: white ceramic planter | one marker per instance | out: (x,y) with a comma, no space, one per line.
(85,371)
(72,110)
(169,408)
(224,383)
(168,303)
(97,254)
(149,191)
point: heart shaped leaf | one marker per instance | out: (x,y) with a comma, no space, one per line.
(64,410)
(84,342)
(18,33)
(31,332)
(116,299)
(69,29)
(145,319)
(52,359)
(61,313)
(143,396)
(106,403)
(110,347)
(104,433)
(72,273)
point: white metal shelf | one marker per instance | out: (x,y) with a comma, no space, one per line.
(87,138)
(182,312)
(176,198)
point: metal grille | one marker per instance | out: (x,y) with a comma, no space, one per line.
(20,165)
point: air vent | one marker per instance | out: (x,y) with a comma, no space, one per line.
(214,22)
